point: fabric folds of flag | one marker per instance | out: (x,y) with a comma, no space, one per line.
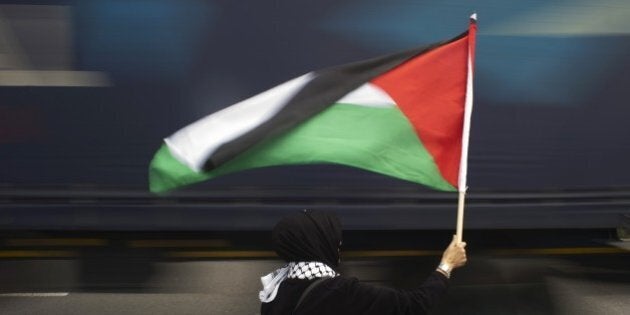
(400,115)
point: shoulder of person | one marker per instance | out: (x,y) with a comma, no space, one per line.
(339,283)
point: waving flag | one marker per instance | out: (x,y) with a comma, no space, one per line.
(400,115)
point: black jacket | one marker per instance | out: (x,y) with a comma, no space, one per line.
(342,295)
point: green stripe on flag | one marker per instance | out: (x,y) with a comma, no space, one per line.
(377,139)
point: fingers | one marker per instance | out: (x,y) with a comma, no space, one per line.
(463,244)
(455,254)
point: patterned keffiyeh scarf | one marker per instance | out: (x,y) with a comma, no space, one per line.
(294,270)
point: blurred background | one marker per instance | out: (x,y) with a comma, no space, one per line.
(88,90)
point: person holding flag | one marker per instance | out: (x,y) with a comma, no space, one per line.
(405,115)
(310,283)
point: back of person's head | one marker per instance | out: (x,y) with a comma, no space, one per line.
(308,236)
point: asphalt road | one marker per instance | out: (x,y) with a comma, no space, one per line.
(510,272)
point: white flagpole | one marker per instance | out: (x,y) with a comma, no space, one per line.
(468,106)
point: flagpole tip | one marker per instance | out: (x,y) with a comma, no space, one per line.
(473,17)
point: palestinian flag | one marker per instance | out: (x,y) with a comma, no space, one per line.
(400,115)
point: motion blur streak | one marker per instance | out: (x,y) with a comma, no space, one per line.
(569,18)
(37,48)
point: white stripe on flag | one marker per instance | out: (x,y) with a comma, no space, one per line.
(368,95)
(193,144)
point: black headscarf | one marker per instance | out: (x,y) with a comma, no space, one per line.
(308,236)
